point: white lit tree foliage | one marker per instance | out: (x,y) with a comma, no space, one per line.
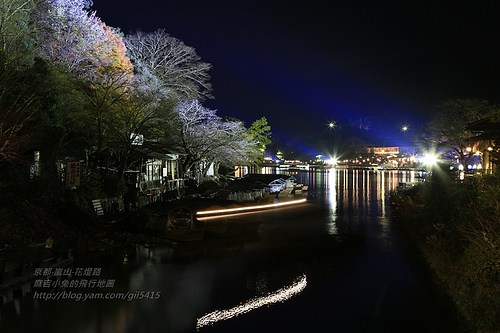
(205,138)
(75,39)
(69,34)
(168,66)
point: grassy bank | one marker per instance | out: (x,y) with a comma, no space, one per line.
(456,227)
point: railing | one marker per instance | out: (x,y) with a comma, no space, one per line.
(169,185)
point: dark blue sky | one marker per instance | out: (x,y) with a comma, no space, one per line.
(303,64)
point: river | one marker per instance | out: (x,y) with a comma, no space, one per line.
(334,264)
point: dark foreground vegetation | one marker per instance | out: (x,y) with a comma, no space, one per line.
(456,226)
(30,217)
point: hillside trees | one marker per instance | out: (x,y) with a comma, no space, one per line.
(77,41)
(81,96)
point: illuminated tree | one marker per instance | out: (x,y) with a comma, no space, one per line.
(68,34)
(102,98)
(231,145)
(114,60)
(79,42)
(168,66)
(137,115)
(74,37)
(260,131)
(204,138)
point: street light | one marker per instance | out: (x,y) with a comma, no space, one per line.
(331,161)
(430,159)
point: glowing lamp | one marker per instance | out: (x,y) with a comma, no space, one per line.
(331,161)
(429,159)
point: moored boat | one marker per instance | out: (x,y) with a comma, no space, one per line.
(181,226)
(177,225)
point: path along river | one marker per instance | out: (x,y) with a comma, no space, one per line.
(334,264)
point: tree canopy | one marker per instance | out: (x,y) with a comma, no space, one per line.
(83,90)
(449,127)
(260,131)
(174,68)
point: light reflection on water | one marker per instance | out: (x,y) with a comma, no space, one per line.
(355,195)
(240,274)
(278,296)
(332,199)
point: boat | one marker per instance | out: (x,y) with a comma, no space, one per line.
(182,226)
(178,225)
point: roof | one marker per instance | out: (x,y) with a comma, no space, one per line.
(487,128)
(155,149)
(256,181)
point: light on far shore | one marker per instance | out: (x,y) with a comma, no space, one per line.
(429,159)
(331,161)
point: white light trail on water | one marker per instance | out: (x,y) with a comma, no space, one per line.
(280,295)
(248,208)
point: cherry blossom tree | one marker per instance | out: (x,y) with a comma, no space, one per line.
(74,37)
(168,66)
(68,34)
(205,138)
(232,146)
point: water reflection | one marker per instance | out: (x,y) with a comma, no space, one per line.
(348,277)
(332,199)
(278,296)
(355,196)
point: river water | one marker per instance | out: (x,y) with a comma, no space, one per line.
(334,264)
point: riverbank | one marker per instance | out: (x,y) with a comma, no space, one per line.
(34,237)
(26,227)
(455,227)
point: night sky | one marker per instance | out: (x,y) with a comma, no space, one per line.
(371,66)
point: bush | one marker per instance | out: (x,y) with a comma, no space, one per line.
(456,227)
